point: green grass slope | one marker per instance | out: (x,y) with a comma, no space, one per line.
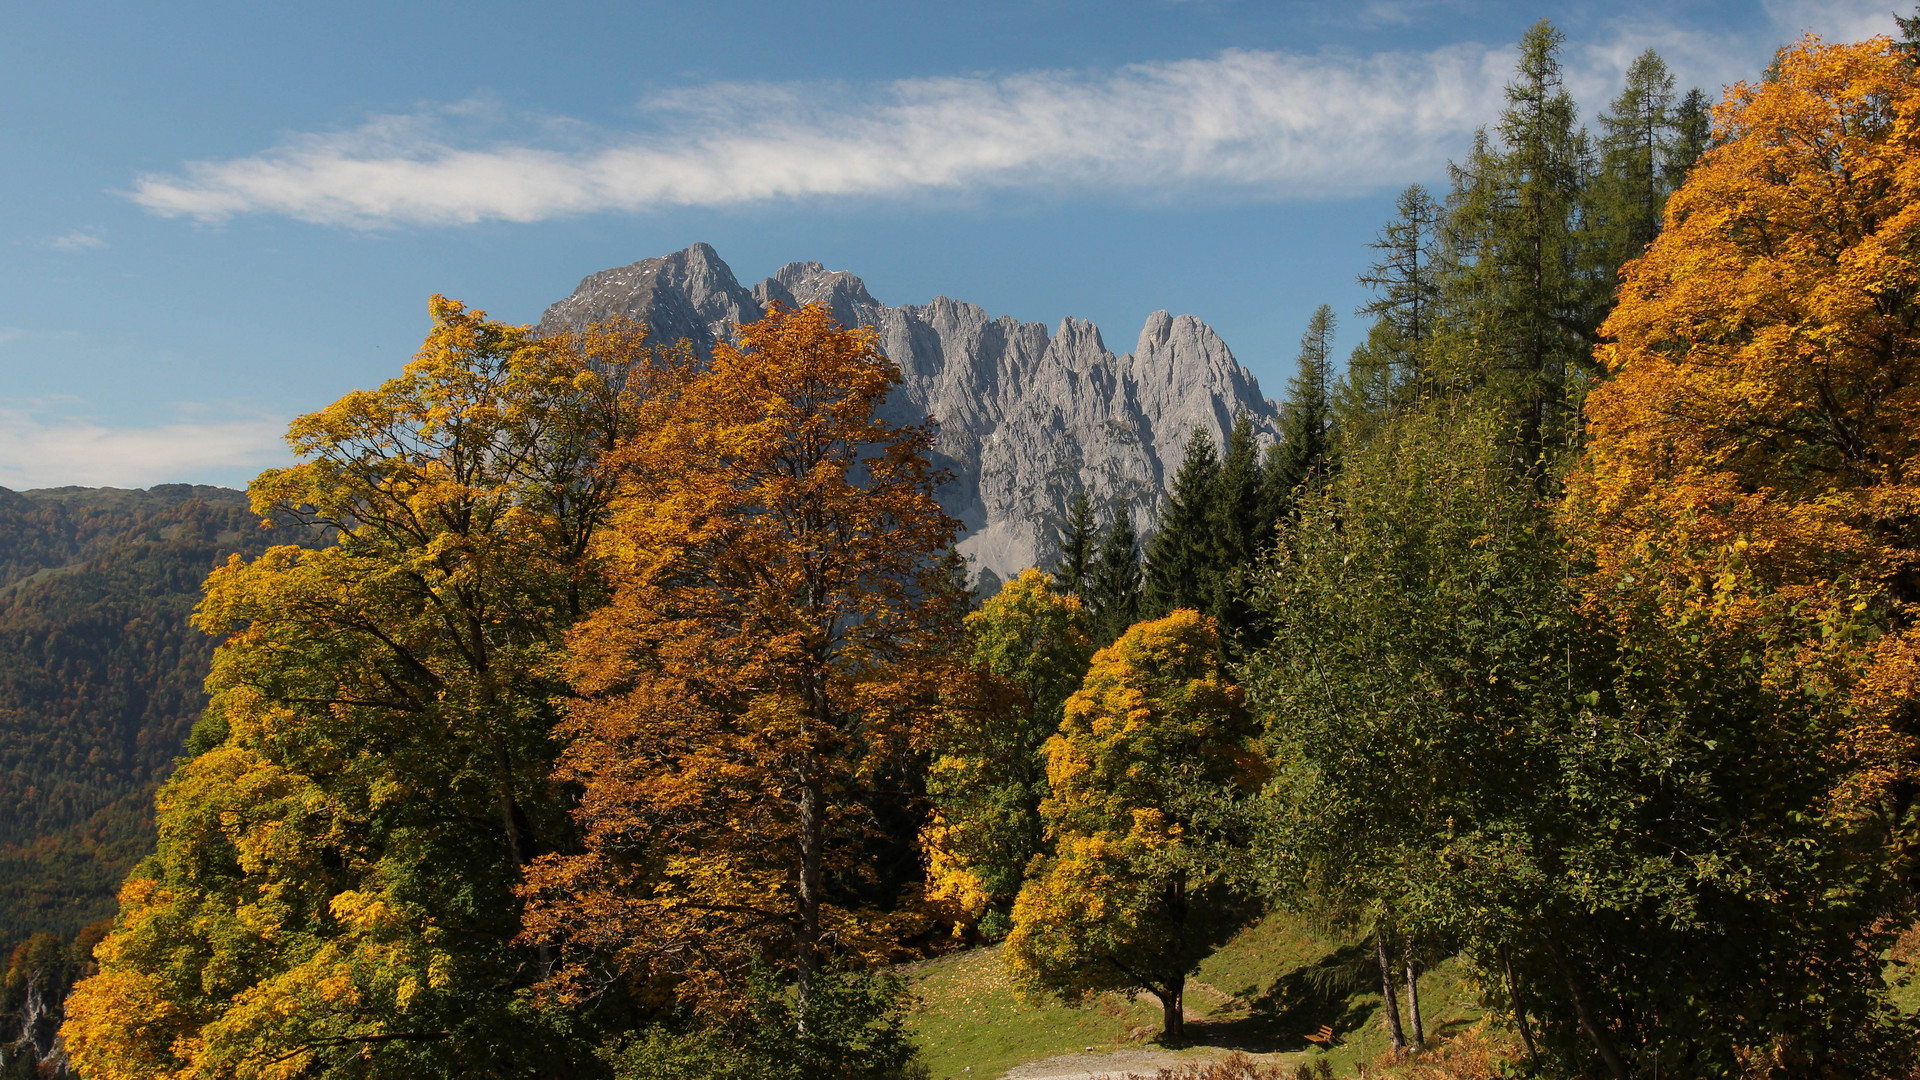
(1264,992)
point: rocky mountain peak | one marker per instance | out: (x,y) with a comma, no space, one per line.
(1027,419)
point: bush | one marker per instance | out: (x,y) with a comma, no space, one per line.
(856,1030)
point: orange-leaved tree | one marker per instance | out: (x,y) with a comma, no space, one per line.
(1154,754)
(1752,463)
(779,613)
(333,885)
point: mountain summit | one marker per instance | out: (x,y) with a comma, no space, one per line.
(1027,418)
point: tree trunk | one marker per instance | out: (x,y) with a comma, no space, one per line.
(1387,992)
(1589,1022)
(1173,1016)
(807,935)
(1520,1010)
(1419,1040)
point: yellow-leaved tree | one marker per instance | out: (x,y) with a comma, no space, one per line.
(1154,755)
(1754,463)
(771,650)
(333,890)
(1027,650)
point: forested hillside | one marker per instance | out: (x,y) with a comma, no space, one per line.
(100,680)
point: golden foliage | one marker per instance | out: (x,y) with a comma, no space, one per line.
(1027,649)
(767,656)
(333,875)
(1154,747)
(1752,465)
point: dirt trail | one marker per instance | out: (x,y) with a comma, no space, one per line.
(1116,1064)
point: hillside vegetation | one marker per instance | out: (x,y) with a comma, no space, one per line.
(100,681)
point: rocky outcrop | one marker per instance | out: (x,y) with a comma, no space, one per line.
(1027,418)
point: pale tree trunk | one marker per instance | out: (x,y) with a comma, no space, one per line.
(807,936)
(1419,1040)
(1387,992)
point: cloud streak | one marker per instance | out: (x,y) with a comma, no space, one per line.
(1269,124)
(35,452)
(1252,124)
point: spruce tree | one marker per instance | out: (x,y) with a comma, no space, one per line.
(1630,194)
(1113,586)
(1077,543)
(1692,135)
(1240,531)
(1182,560)
(1302,453)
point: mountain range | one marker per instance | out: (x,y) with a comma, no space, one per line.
(1027,418)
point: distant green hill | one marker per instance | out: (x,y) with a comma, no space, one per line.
(100,680)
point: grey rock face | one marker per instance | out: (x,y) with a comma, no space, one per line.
(1026,418)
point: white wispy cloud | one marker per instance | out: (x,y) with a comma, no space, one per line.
(37,451)
(1251,123)
(1280,123)
(78,240)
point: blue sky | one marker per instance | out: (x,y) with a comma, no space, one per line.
(217,216)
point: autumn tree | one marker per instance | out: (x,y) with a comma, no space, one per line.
(332,892)
(1155,751)
(744,701)
(1027,650)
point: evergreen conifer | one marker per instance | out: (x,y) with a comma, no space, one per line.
(1184,554)
(1077,543)
(1305,426)
(1113,586)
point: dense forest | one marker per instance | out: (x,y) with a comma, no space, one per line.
(100,678)
(636,718)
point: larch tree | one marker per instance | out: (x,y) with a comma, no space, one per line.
(1154,753)
(1521,314)
(1026,650)
(333,890)
(771,651)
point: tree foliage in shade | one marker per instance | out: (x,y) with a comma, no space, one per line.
(1155,750)
(1027,651)
(332,892)
(768,660)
